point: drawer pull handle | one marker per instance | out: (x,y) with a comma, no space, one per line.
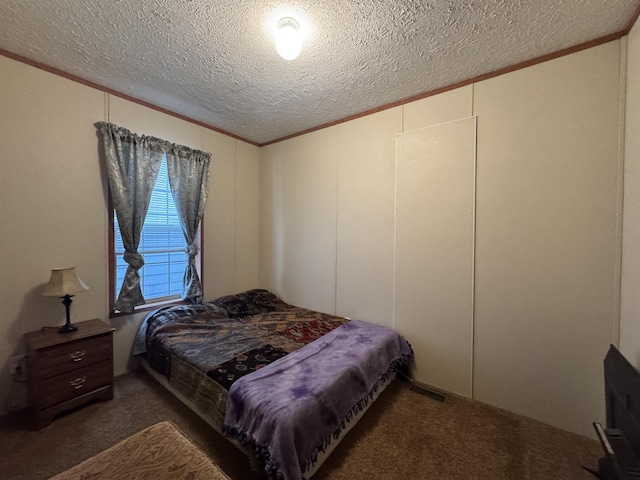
(77,355)
(78,382)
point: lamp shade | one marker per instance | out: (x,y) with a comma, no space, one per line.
(64,281)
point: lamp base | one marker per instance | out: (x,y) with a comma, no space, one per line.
(67,328)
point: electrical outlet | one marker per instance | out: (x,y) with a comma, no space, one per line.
(17,367)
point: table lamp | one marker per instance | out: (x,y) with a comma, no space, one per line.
(64,282)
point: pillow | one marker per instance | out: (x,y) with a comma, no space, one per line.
(249,303)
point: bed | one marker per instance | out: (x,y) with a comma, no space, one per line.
(282,382)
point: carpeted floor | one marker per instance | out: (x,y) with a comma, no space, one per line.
(404,435)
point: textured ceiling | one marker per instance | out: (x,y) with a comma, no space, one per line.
(214,60)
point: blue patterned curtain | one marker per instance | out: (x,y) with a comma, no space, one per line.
(189,182)
(133,163)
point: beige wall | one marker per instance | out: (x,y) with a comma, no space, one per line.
(547,236)
(298,212)
(630,304)
(365,216)
(53,205)
(547,247)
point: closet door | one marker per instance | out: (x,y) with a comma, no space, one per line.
(434,253)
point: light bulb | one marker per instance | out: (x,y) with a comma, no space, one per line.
(288,42)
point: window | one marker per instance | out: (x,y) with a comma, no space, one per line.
(133,163)
(162,244)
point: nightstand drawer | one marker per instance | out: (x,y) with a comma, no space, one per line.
(69,357)
(69,385)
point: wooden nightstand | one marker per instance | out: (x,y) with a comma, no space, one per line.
(67,370)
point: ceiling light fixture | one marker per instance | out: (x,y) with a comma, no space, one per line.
(288,41)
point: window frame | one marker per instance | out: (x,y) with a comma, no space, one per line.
(113,312)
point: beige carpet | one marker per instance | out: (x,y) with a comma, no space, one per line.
(159,452)
(404,435)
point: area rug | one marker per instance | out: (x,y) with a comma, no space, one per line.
(159,452)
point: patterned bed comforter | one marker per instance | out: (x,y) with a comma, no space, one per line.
(202,349)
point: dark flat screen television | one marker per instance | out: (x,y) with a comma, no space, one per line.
(620,438)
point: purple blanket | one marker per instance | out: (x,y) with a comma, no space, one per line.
(291,409)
